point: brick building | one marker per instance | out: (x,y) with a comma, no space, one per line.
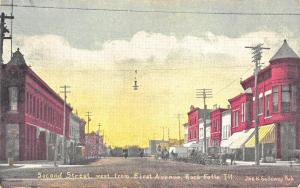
(94,145)
(194,115)
(82,132)
(278,108)
(31,114)
(216,126)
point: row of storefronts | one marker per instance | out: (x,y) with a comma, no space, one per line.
(232,129)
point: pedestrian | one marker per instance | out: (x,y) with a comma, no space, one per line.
(232,157)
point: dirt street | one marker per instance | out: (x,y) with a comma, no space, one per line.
(148,172)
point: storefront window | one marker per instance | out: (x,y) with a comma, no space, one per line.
(13,98)
(275,99)
(286,98)
(294,98)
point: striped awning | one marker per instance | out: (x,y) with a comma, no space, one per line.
(266,135)
(242,139)
(233,138)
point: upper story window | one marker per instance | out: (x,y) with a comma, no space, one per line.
(37,108)
(275,100)
(30,104)
(27,102)
(285,98)
(33,106)
(247,111)
(294,98)
(243,112)
(13,98)
(267,105)
(260,105)
(235,118)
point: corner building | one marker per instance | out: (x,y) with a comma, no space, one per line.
(278,108)
(31,114)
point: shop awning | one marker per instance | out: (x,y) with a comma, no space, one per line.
(266,135)
(224,144)
(189,144)
(242,139)
(231,139)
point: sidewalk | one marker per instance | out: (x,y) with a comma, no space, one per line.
(277,163)
(34,164)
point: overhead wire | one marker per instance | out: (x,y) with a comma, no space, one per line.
(156,11)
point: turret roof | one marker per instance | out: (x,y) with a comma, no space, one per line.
(285,51)
(17,58)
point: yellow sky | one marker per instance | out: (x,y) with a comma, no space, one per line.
(132,117)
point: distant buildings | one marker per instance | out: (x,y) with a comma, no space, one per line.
(186,132)
(216,126)
(194,115)
(94,145)
(75,144)
(155,145)
(201,134)
(225,131)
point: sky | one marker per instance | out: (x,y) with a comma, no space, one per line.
(97,52)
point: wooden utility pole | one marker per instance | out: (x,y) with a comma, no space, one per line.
(204,94)
(256,51)
(65,91)
(179,132)
(88,114)
(99,125)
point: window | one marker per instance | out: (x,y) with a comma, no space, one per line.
(201,132)
(45,113)
(260,104)
(41,110)
(13,98)
(286,98)
(247,112)
(267,108)
(235,118)
(243,112)
(30,104)
(275,99)
(37,109)
(27,102)
(294,98)
(224,132)
(33,106)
